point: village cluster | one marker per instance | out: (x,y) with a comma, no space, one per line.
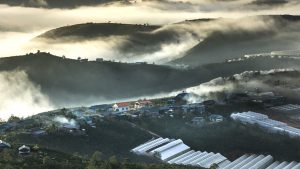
(76,121)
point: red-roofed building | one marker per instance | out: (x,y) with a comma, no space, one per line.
(143,103)
(121,107)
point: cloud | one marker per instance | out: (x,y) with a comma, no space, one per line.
(162,45)
(16,32)
(248,81)
(20,97)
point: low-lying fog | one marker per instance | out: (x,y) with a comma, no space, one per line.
(20,24)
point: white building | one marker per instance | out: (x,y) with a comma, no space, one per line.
(176,152)
(266,123)
(143,103)
(23,150)
(121,107)
(170,150)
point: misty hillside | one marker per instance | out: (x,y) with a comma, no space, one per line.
(94,30)
(55,3)
(192,42)
(220,45)
(128,40)
(70,82)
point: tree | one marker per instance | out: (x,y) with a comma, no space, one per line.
(214,166)
(6,155)
(13,119)
(96,158)
(47,160)
(36,148)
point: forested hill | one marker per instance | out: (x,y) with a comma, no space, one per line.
(68,81)
(94,30)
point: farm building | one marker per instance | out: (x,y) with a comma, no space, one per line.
(288,109)
(216,118)
(194,107)
(176,152)
(4,145)
(24,150)
(266,123)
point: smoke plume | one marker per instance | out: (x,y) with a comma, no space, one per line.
(64,121)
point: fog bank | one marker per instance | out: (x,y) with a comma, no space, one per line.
(20,97)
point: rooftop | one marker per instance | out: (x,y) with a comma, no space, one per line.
(123,104)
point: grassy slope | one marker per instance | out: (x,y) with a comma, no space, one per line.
(111,137)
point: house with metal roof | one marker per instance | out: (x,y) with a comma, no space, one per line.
(216,118)
(24,150)
(4,145)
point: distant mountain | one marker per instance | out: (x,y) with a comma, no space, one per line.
(132,40)
(56,3)
(280,32)
(93,30)
(73,82)
(269,2)
(192,42)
